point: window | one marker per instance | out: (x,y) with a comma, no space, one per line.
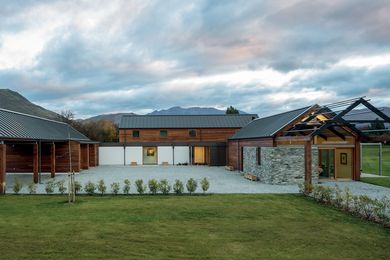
(135,133)
(163,133)
(258,155)
(192,133)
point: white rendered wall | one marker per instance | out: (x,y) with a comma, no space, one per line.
(182,154)
(111,155)
(134,154)
(164,154)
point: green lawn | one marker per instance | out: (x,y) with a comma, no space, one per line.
(370,162)
(213,226)
(385,181)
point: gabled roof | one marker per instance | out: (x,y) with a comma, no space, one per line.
(15,125)
(186,121)
(269,126)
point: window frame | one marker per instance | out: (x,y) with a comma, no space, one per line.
(138,133)
(162,131)
(258,156)
(192,131)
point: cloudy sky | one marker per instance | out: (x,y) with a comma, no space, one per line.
(96,57)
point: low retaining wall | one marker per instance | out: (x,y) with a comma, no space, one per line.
(280,165)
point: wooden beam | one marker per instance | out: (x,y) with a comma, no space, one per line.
(336,133)
(365,121)
(3,162)
(308,161)
(375,110)
(323,137)
(35,163)
(293,138)
(53,160)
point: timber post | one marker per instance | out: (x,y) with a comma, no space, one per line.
(53,160)
(3,162)
(35,162)
(308,162)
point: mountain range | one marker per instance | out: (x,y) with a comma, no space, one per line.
(12,100)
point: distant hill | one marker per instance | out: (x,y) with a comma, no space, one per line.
(365,114)
(12,100)
(115,117)
(190,111)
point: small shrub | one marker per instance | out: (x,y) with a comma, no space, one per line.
(191,185)
(126,187)
(178,187)
(205,184)
(90,188)
(347,199)
(50,186)
(32,188)
(139,184)
(101,187)
(153,186)
(77,187)
(61,186)
(382,210)
(115,187)
(305,188)
(164,187)
(17,186)
(337,199)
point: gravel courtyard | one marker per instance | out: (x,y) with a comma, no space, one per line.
(221,180)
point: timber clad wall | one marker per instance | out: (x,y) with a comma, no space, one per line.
(235,149)
(179,135)
(62,157)
(93,155)
(84,158)
(19,158)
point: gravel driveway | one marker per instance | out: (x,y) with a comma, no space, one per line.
(221,181)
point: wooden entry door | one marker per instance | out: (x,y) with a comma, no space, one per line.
(344,163)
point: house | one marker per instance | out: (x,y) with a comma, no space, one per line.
(173,139)
(304,144)
(34,144)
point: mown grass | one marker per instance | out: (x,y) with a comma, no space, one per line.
(384,181)
(370,162)
(212,226)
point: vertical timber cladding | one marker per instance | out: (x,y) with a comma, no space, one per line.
(3,162)
(217,155)
(19,157)
(62,156)
(93,155)
(84,156)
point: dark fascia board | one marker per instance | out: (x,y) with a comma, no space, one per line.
(164,144)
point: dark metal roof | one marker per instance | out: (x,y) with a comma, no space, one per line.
(186,121)
(15,125)
(268,126)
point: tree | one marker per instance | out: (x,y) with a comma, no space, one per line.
(232,110)
(377,125)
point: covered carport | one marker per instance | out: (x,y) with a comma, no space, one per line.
(30,144)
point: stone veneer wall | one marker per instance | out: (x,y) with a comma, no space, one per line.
(280,165)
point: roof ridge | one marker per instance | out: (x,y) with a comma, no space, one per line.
(307,107)
(33,116)
(192,115)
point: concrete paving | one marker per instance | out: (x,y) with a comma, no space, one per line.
(221,180)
